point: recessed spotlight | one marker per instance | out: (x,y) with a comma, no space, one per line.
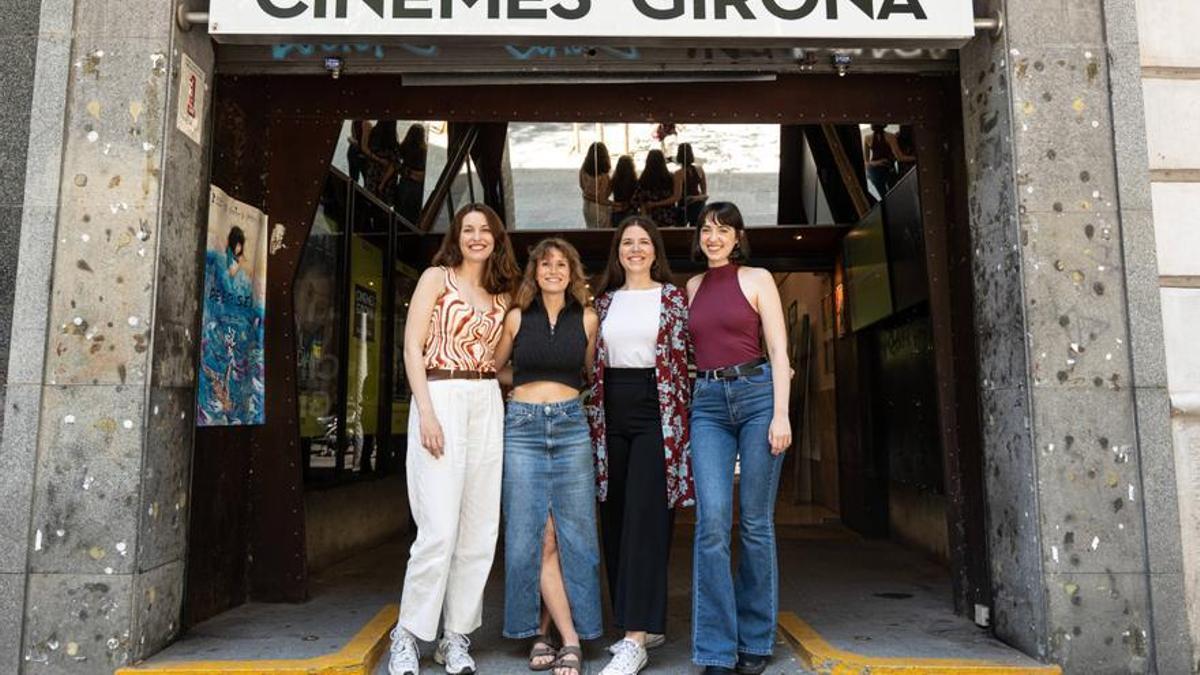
(798,237)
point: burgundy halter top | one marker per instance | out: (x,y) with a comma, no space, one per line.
(725,328)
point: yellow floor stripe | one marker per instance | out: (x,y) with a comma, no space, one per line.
(358,657)
(825,659)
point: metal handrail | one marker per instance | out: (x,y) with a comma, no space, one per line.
(441,191)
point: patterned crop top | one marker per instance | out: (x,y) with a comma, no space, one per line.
(460,336)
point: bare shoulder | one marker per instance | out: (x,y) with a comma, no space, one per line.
(693,284)
(432,276)
(591,319)
(512,320)
(756,275)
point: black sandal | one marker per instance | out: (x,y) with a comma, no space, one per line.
(575,663)
(542,647)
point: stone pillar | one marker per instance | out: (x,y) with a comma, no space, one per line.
(1083,525)
(98,423)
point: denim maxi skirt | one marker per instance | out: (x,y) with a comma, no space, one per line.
(548,469)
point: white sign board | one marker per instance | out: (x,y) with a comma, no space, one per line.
(190,116)
(941,20)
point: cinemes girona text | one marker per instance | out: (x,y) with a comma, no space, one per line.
(791,10)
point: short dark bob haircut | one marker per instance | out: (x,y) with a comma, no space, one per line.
(723,213)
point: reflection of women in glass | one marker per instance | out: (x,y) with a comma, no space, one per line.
(739,415)
(691,185)
(638,413)
(656,192)
(410,188)
(624,185)
(455,438)
(357,154)
(596,187)
(881,152)
(384,152)
(551,558)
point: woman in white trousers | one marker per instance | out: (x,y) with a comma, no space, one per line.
(455,438)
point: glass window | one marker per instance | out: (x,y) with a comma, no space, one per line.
(572,175)
(318,311)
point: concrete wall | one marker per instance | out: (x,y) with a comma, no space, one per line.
(1083,511)
(347,519)
(1170,60)
(98,416)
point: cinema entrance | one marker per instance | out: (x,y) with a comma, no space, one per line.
(884,482)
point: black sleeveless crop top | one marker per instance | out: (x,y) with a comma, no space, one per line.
(542,354)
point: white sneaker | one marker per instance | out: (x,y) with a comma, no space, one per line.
(628,659)
(653,641)
(453,652)
(405,657)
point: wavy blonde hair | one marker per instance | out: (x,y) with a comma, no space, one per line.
(577,288)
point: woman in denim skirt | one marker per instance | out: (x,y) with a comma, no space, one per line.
(739,412)
(551,557)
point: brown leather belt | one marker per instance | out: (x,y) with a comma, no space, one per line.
(435,374)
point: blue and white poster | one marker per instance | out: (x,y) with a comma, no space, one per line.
(231,381)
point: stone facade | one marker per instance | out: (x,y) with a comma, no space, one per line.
(98,417)
(1170,61)
(103,200)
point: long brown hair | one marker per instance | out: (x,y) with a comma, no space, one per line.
(614,274)
(500,273)
(528,289)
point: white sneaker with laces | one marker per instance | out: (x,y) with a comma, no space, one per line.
(404,658)
(653,641)
(628,658)
(453,651)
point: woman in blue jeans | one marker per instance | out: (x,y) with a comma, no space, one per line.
(551,555)
(739,412)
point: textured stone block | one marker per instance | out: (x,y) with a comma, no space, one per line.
(1129,127)
(45,130)
(31,296)
(1099,622)
(999,307)
(108,218)
(20,18)
(18,456)
(1172,642)
(1063,131)
(1064,22)
(1142,300)
(1161,501)
(10,240)
(12,606)
(1089,481)
(86,491)
(1074,294)
(1013,526)
(166,477)
(157,608)
(78,623)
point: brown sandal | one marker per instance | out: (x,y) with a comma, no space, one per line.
(575,664)
(542,647)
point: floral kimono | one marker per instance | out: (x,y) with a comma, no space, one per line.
(672,352)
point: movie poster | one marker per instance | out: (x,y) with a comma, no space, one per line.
(231,388)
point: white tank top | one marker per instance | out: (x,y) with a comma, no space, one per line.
(630,328)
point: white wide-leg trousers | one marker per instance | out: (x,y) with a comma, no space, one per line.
(455,501)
